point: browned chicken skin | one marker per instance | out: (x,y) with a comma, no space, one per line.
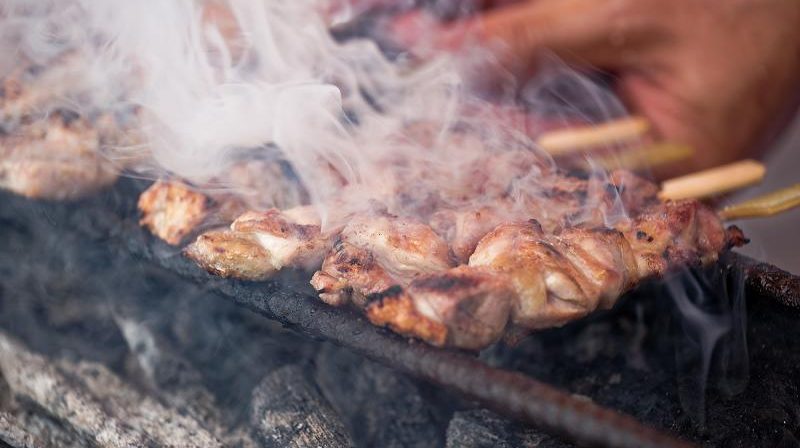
(171,210)
(231,255)
(376,251)
(405,247)
(557,278)
(58,158)
(266,242)
(561,276)
(349,274)
(462,307)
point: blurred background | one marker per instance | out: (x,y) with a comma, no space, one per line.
(775,239)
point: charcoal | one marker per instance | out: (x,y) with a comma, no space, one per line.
(239,437)
(175,380)
(24,422)
(12,432)
(484,429)
(168,374)
(383,408)
(166,426)
(288,410)
(96,402)
(30,375)
(46,431)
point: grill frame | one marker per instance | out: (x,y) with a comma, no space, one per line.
(111,217)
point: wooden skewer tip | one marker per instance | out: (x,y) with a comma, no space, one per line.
(566,141)
(714,181)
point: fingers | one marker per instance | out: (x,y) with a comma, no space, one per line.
(585,32)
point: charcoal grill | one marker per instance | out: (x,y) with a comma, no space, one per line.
(112,216)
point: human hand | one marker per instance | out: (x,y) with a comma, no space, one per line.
(721,76)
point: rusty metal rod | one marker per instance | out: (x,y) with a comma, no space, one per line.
(764,280)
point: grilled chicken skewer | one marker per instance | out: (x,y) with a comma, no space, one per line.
(563,276)
(563,204)
(259,244)
(403,273)
(412,276)
(555,278)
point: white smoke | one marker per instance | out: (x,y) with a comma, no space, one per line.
(212,78)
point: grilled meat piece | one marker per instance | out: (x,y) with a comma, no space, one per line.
(292,238)
(54,159)
(564,275)
(285,239)
(395,309)
(556,278)
(232,255)
(463,307)
(404,247)
(171,210)
(376,251)
(349,274)
(463,228)
(675,234)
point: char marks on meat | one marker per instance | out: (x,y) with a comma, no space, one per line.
(264,242)
(473,273)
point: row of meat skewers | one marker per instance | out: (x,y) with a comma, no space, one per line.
(467,275)
(451,270)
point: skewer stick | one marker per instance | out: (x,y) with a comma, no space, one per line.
(713,182)
(567,141)
(765,205)
(656,154)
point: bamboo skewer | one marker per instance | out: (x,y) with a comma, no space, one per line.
(699,185)
(662,153)
(765,205)
(727,178)
(567,141)
(713,182)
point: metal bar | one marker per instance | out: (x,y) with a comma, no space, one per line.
(768,281)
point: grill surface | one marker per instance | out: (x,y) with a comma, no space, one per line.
(111,218)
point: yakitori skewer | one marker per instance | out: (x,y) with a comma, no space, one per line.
(714,181)
(727,178)
(648,156)
(765,205)
(577,139)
